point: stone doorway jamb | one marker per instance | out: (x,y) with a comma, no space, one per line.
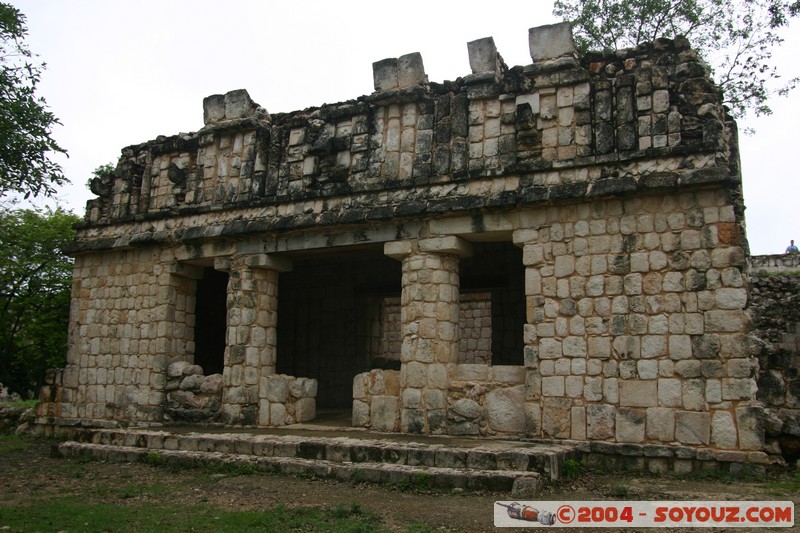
(251,337)
(429,316)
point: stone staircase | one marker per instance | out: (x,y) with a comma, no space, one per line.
(515,467)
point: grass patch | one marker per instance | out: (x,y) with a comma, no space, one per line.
(20,404)
(76,515)
(417,482)
(791,484)
(132,490)
(234,469)
(620,491)
(153,459)
(572,468)
(13,443)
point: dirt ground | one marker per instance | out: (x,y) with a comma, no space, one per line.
(32,473)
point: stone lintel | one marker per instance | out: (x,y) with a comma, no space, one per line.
(473,224)
(398,249)
(183,270)
(223,264)
(551,41)
(269,262)
(446,245)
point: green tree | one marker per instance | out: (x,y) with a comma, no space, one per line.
(26,142)
(35,290)
(737,38)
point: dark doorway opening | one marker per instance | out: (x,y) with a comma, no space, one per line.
(494,272)
(211,315)
(329,318)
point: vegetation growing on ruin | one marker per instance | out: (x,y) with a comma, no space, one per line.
(737,38)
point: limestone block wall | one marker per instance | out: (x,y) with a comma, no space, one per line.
(776,319)
(486,400)
(287,400)
(191,396)
(597,198)
(376,400)
(130,318)
(775,264)
(474,325)
(636,326)
(475,328)
(481,400)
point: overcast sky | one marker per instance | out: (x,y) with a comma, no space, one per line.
(121,73)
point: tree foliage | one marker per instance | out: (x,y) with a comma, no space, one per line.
(26,142)
(35,290)
(736,37)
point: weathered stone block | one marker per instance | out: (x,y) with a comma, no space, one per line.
(578,420)
(211,384)
(553,386)
(638,393)
(466,408)
(360,413)
(175,370)
(410,70)
(277,388)
(738,388)
(692,427)
(472,372)
(723,430)
(556,418)
(384,74)
(384,414)
(550,42)
(600,421)
(360,385)
(503,411)
(213,108)
(238,104)
(630,425)
(750,425)
(694,394)
(482,56)
(277,414)
(660,424)
(305,409)
(508,374)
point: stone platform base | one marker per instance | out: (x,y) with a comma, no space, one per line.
(520,469)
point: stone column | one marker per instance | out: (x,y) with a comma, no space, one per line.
(429,316)
(251,336)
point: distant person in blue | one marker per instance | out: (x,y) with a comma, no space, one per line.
(792,249)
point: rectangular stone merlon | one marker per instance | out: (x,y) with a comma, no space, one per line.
(551,41)
(238,104)
(410,71)
(231,105)
(384,74)
(398,249)
(483,56)
(269,262)
(446,245)
(213,108)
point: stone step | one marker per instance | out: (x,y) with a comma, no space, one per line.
(545,460)
(517,483)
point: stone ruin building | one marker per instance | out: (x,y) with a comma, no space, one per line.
(551,252)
